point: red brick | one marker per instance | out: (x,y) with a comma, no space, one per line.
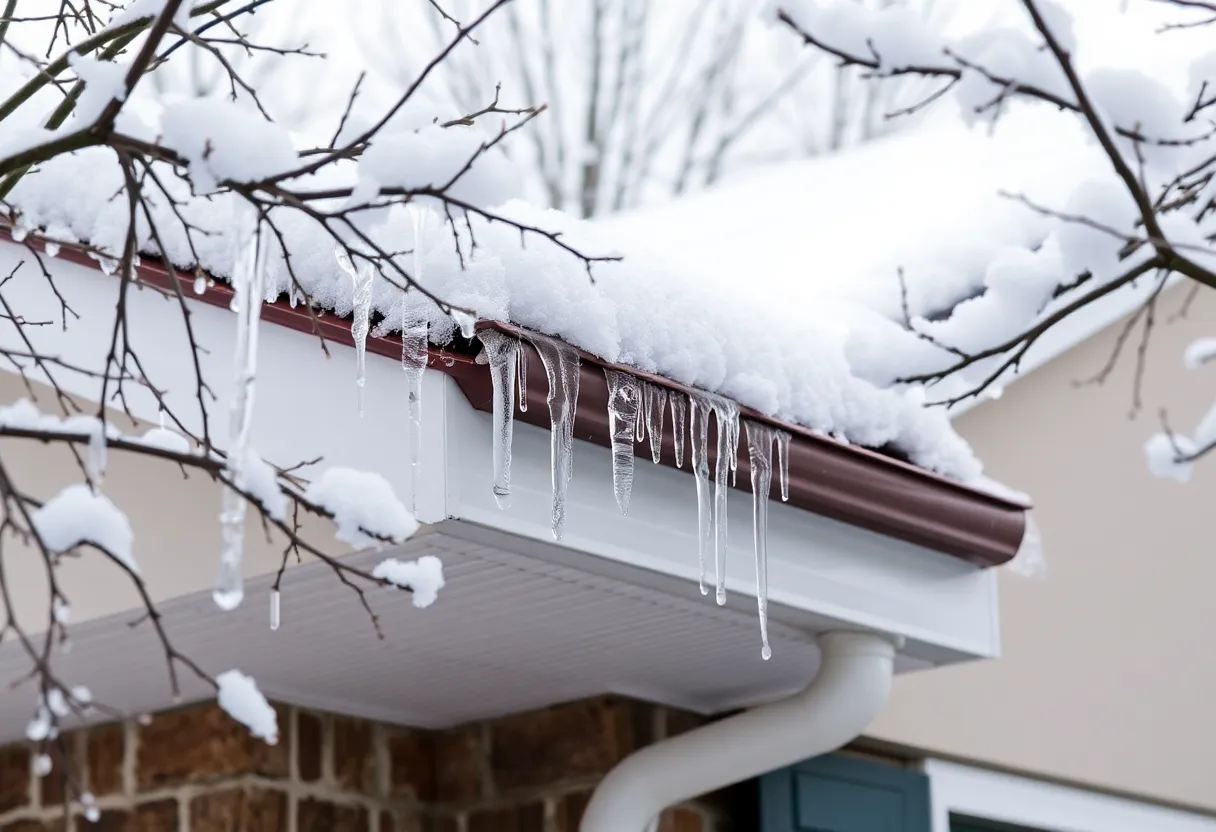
(411,757)
(680,820)
(33,826)
(105,755)
(202,743)
(53,786)
(568,741)
(321,816)
(308,746)
(14,777)
(155,816)
(528,818)
(570,811)
(239,810)
(354,763)
(458,760)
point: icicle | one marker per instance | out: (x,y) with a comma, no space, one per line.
(363,281)
(52,249)
(760,454)
(274,609)
(699,441)
(679,415)
(640,422)
(522,366)
(502,352)
(727,413)
(561,364)
(624,404)
(200,285)
(249,276)
(783,463)
(656,405)
(414,334)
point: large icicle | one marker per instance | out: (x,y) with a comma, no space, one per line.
(561,364)
(249,286)
(501,353)
(414,333)
(783,463)
(522,366)
(679,421)
(656,405)
(698,438)
(363,281)
(727,413)
(624,409)
(760,455)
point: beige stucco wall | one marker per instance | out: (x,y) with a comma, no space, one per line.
(1109,669)
(174,517)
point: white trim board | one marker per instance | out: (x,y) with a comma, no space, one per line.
(1006,798)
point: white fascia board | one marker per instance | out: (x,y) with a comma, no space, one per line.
(821,573)
(1006,798)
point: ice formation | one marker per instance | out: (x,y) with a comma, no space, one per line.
(760,439)
(363,282)
(249,289)
(679,417)
(655,400)
(275,609)
(783,463)
(561,364)
(727,415)
(413,362)
(502,353)
(699,410)
(624,412)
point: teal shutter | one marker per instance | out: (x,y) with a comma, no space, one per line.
(844,794)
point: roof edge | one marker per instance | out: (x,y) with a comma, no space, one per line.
(847,483)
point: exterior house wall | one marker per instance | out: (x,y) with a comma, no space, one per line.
(1106,676)
(195,770)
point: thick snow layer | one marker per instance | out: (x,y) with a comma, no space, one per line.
(778,290)
(240,698)
(423,576)
(363,504)
(76,516)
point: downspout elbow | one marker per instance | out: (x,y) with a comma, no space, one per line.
(850,689)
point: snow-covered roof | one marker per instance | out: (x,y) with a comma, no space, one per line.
(740,335)
(927,202)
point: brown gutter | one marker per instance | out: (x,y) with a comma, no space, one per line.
(847,483)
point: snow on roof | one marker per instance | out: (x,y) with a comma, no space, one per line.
(840,227)
(755,332)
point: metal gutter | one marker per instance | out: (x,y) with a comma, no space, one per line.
(847,483)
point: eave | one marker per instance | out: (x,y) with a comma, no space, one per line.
(854,485)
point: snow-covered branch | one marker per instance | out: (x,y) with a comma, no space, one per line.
(1148,216)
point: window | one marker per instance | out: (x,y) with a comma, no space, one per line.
(837,793)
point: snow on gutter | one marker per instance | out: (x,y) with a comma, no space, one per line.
(845,482)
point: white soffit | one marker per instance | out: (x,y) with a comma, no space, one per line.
(509,633)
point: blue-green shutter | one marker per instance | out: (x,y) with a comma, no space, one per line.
(844,794)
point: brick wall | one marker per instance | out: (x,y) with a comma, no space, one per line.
(195,770)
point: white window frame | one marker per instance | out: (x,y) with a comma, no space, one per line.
(1007,798)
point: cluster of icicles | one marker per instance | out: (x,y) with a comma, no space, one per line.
(636,409)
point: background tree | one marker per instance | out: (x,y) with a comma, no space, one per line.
(647,100)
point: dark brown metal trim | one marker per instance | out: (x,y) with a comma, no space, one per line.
(847,483)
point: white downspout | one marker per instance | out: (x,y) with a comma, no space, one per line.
(848,692)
